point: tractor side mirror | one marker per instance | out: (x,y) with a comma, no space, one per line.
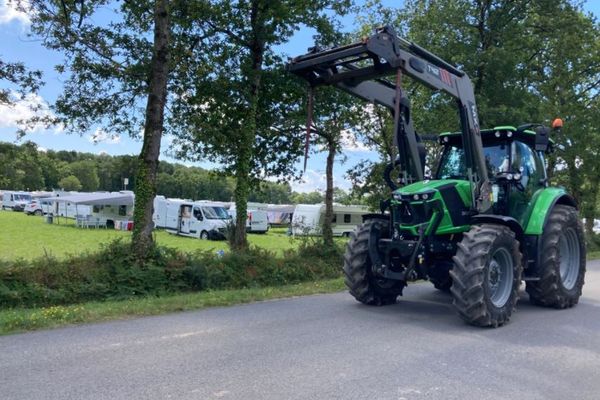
(542,138)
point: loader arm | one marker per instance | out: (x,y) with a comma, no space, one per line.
(361,69)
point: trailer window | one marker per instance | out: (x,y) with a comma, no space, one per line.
(122,210)
(347,218)
(22,197)
(334,219)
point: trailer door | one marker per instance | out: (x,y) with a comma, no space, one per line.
(185,218)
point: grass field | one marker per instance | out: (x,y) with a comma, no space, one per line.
(30,237)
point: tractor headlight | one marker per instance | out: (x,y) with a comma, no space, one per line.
(416,197)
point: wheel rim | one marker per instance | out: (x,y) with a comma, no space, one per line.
(568,248)
(500,277)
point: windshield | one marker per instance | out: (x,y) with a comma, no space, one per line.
(22,197)
(452,164)
(215,212)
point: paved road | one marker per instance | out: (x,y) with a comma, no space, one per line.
(316,347)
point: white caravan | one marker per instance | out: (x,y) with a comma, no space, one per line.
(107,209)
(308,219)
(257,220)
(200,219)
(15,201)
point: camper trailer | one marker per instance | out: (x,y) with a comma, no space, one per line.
(308,219)
(200,219)
(257,220)
(15,201)
(94,209)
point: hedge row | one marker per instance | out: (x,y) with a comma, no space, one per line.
(112,273)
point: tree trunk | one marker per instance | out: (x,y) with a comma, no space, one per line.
(145,182)
(327,230)
(248,133)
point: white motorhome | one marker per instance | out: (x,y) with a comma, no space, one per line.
(200,219)
(308,219)
(15,201)
(257,220)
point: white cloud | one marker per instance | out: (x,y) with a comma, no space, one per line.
(317,181)
(9,13)
(350,142)
(42,149)
(30,106)
(101,136)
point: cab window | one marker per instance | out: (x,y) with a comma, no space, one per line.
(198,214)
(526,163)
(453,166)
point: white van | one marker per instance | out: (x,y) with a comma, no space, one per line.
(308,219)
(15,201)
(203,220)
(256,222)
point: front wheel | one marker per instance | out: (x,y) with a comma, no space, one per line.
(562,261)
(38,212)
(486,275)
(359,278)
(204,235)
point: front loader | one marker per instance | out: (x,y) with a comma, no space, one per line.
(485,222)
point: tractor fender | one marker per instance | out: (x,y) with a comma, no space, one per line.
(543,206)
(510,222)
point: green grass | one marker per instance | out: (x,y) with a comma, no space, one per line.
(593,255)
(19,320)
(30,237)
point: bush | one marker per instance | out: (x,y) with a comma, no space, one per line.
(113,273)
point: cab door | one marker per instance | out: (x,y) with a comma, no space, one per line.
(526,162)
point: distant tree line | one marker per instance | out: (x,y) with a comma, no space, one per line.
(24,167)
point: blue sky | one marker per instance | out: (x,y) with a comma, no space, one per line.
(16,46)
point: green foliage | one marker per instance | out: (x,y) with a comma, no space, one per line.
(86,172)
(70,183)
(114,273)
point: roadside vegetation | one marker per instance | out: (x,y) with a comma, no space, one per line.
(24,319)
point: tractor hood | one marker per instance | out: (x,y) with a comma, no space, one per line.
(431,187)
(413,205)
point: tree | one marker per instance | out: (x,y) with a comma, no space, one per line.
(235,114)
(335,114)
(70,183)
(86,172)
(112,66)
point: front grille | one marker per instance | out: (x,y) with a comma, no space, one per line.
(406,213)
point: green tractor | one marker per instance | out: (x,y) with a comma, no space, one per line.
(486,221)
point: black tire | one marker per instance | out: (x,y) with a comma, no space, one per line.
(484,295)
(359,278)
(555,289)
(439,275)
(204,235)
(443,285)
(38,212)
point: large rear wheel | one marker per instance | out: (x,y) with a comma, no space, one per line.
(486,275)
(562,261)
(362,283)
